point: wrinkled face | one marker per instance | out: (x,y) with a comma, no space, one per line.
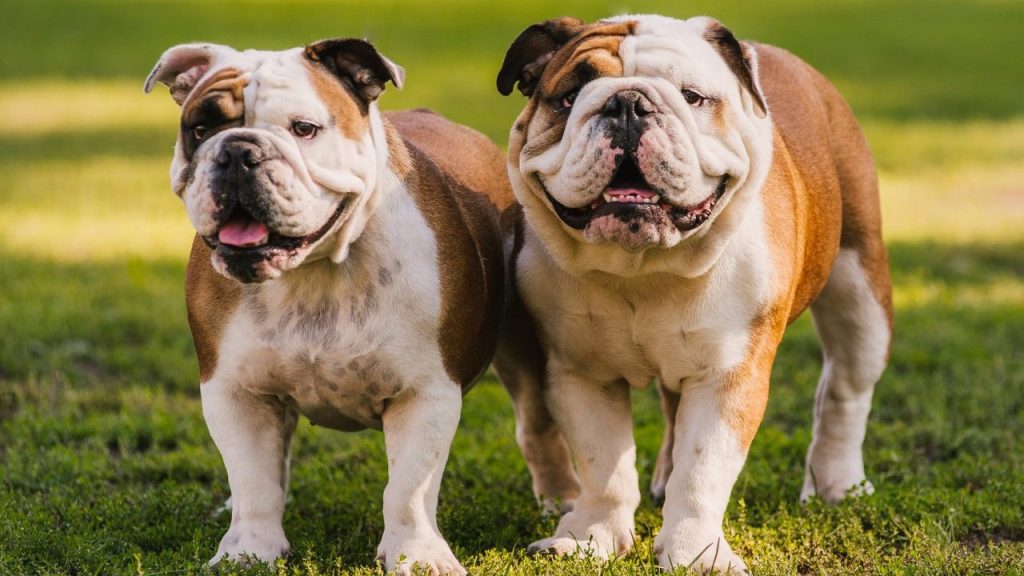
(276,153)
(639,131)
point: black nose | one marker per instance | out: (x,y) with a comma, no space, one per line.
(629,105)
(239,155)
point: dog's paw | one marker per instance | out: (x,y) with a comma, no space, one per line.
(587,535)
(246,544)
(702,555)
(568,547)
(835,480)
(409,556)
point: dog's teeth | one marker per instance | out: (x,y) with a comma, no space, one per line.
(654,199)
(607,197)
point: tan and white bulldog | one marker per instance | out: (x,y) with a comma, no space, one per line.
(347,266)
(686,197)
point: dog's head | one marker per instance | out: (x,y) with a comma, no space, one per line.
(279,153)
(639,132)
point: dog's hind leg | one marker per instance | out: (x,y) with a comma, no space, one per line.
(854,324)
(520,364)
(853,317)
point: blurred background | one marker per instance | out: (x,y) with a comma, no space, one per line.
(104,459)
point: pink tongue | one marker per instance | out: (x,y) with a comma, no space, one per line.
(643,193)
(243,232)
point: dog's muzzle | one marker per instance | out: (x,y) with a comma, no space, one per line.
(624,118)
(247,172)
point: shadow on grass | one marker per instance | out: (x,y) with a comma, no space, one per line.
(955,265)
(94,323)
(126,143)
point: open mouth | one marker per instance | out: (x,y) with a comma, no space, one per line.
(242,234)
(628,196)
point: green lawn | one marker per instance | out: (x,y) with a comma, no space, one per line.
(105,463)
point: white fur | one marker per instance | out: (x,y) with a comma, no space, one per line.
(707,458)
(855,337)
(598,426)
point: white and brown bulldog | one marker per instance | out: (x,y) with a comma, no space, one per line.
(348,266)
(686,196)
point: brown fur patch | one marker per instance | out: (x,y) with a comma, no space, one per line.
(398,155)
(842,185)
(803,245)
(464,154)
(459,183)
(217,104)
(594,51)
(229,80)
(211,300)
(348,115)
(744,395)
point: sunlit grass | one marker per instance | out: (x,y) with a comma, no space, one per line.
(55,106)
(980,203)
(101,209)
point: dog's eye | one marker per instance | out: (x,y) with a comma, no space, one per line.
(306,130)
(693,98)
(568,100)
(199,132)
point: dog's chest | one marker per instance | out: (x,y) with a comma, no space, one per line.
(673,329)
(335,340)
(331,357)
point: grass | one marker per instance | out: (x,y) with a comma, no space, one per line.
(105,463)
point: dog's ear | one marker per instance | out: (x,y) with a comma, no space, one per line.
(531,51)
(357,62)
(741,59)
(181,67)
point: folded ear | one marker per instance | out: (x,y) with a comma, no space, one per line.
(742,60)
(181,67)
(357,62)
(531,51)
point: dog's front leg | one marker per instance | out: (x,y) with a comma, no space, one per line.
(598,426)
(715,424)
(418,430)
(252,433)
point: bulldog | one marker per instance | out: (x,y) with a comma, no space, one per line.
(347,266)
(686,196)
